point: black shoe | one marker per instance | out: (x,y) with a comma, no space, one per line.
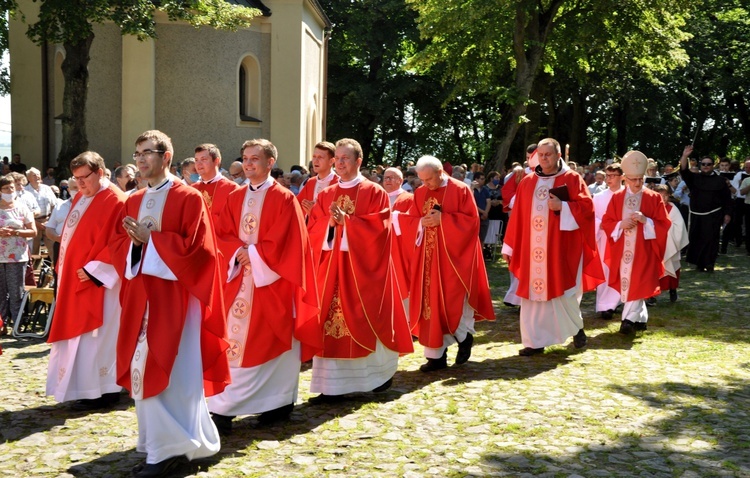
(275,415)
(673,295)
(105,401)
(383,387)
(626,327)
(528,351)
(639,326)
(223,423)
(157,469)
(579,341)
(700,269)
(651,301)
(435,364)
(710,269)
(464,350)
(323,398)
(508,304)
(608,314)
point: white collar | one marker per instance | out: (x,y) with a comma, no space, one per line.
(254,189)
(216,178)
(328,178)
(167,181)
(396,193)
(352,183)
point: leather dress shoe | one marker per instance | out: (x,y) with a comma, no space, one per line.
(223,423)
(106,400)
(529,351)
(464,350)
(608,314)
(673,295)
(149,470)
(435,364)
(626,327)
(384,387)
(651,301)
(323,398)
(580,339)
(275,415)
(639,326)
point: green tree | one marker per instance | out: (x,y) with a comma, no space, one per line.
(70,23)
(499,48)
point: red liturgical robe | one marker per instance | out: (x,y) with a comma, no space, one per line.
(360,302)
(448,264)
(647,260)
(186,243)
(215,194)
(287,307)
(564,250)
(79,305)
(402,250)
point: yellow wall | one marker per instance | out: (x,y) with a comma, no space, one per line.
(26,85)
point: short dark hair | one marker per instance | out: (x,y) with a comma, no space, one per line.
(87,158)
(161,140)
(268,148)
(327,146)
(353,143)
(213,151)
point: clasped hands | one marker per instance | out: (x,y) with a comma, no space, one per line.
(138,233)
(432,219)
(338,216)
(633,220)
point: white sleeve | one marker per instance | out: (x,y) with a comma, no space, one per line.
(262,274)
(154,265)
(567,221)
(103,272)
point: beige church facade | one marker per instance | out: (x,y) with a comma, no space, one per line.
(196,85)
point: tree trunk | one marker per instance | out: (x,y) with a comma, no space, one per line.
(578,146)
(76,74)
(620,116)
(532,28)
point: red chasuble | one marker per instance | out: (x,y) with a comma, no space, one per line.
(648,265)
(564,249)
(284,246)
(215,194)
(448,263)
(187,245)
(401,250)
(79,305)
(360,303)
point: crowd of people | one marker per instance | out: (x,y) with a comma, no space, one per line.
(165,269)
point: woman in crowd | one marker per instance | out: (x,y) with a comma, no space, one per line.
(16,226)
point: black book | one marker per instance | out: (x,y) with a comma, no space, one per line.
(561,193)
(727,175)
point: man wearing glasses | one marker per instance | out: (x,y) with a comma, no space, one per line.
(636,225)
(607,298)
(87,312)
(172,321)
(400,201)
(710,209)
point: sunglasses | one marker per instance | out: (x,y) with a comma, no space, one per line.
(707,164)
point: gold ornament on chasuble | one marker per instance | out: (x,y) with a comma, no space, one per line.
(209,200)
(234,351)
(335,325)
(430,246)
(249,224)
(346,203)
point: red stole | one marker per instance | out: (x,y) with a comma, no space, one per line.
(564,249)
(447,264)
(360,303)
(79,305)
(648,265)
(187,245)
(284,246)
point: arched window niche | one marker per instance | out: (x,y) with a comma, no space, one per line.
(249,89)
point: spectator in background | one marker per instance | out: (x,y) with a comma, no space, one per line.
(46,200)
(482,200)
(188,172)
(236,173)
(16,228)
(17,166)
(54,228)
(49,179)
(125,179)
(295,181)
(598,185)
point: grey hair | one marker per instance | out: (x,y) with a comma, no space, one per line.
(429,162)
(395,171)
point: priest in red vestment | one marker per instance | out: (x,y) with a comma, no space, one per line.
(550,247)
(636,225)
(214,187)
(363,318)
(449,286)
(173,322)
(82,364)
(401,251)
(322,166)
(271,298)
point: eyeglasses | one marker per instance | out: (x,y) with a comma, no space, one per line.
(613,175)
(391,178)
(81,178)
(145,153)
(707,164)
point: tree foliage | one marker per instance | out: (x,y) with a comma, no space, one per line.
(71,23)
